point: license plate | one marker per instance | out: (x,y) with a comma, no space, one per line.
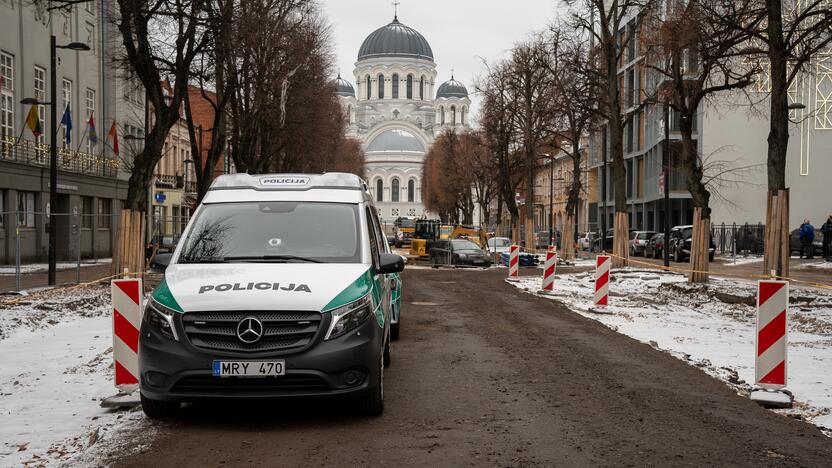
(249,368)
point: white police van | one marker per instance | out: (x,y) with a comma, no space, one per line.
(282,285)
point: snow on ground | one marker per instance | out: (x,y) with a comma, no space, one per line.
(733,261)
(815,266)
(41,267)
(57,364)
(713,327)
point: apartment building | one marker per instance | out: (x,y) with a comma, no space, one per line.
(91,179)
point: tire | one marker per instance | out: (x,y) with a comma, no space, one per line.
(394,331)
(157,409)
(373,404)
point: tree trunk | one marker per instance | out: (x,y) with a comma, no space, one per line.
(700,240)
(620,250)
(567,245)
(776,253)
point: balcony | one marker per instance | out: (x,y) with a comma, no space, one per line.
(29,152)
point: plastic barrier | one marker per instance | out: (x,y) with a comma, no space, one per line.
(549,269)
(127,315)
(772,334)
(514,262)
(602,280)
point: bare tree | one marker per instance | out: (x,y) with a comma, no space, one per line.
(791,35)
(694,56)
(612,25)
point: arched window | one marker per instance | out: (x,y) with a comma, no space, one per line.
(409,86)
(441,116)
(462,116)
(422,87)
(380,86)
(395,94)
(411,190)
(394,190)
(379,190)
(369,88)
(453,115)
(349,113)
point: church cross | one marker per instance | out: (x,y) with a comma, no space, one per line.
(396,9)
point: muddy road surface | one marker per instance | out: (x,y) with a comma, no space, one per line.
(485,375)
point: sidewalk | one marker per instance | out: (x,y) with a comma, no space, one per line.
(40,279)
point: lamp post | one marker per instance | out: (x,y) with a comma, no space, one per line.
(53,146)
(665,176)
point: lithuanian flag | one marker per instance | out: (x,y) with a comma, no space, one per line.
(33,121)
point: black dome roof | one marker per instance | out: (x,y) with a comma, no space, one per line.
(395,40)
(452,88)
(343,87)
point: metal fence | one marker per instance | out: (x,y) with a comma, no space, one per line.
(742,239)
(37,154)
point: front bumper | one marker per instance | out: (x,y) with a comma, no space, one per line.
(178,371)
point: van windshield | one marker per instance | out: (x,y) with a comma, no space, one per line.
(274,232)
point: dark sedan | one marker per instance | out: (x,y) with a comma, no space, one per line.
(458,252)
(655,246)
(680,241)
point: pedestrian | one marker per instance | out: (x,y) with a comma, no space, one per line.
(826,230)
(807,239)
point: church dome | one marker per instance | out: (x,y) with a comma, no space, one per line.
(343,87)
(395,140)
(395,40)
(452,89)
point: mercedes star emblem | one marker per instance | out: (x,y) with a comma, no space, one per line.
(249,330)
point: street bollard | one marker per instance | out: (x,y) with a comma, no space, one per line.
(514,263)
(602,284)
(549,269)
(770,364)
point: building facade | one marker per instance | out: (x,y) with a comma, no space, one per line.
(396,112)
(91,181)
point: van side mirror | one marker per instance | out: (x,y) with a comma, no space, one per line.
(390,263)
(159,263)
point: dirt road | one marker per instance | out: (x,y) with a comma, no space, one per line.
(485,375)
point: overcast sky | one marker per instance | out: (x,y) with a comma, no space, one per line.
(459,32)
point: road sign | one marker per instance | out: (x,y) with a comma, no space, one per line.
(661,182)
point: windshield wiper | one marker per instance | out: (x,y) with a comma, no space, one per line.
(271,258)
(204,260)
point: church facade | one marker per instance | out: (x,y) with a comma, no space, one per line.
(395,111)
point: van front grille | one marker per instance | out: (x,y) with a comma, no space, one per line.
(282,331)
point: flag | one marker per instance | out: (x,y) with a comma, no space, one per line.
(114,134)
(33,121)
(66,121)
(91,135)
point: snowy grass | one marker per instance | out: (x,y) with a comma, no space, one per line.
(826,266)
(713,327)
(57,359)
(42,267)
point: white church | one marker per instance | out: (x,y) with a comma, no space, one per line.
(396,114)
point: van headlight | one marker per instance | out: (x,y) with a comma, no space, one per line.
(349,317)
(160,318)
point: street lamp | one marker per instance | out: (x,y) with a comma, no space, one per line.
(53,147)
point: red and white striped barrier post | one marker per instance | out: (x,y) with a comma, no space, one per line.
(772,342)
(549,269)
(514,262)
(127,316)
(602,280)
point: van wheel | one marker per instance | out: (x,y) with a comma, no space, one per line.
(394,331)
(157,409)
(373,404)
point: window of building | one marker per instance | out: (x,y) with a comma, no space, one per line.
(349,114)
(87,212)
(380,83)
(6,95)
(422,87)
(104,212)
(90,109)
(395,94)
(453,115)
(410,86)
(411,190)
(26,209)
(379,190)
(91,36)
(442,116)
(462,116)
(369,87)
(40,95)
(394,190)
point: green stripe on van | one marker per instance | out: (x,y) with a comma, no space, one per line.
(355,291)
(163,296)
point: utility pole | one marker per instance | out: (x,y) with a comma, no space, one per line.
(604,190)
(666,176)
(53,160)
(551,200)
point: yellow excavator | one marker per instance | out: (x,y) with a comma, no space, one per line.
(428,231)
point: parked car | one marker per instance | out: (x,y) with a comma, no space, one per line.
(679,244)
(458,252)
(638,242)
(541,239)
(585,240)
(655,246)
(526,259)
(794,242)
(499,244)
